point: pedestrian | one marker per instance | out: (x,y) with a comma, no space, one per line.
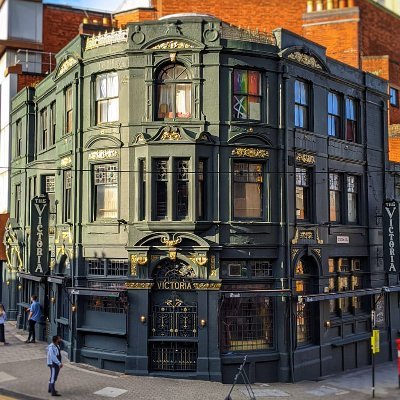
(34,316)
(3,319)
(54,363)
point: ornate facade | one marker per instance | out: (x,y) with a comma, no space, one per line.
(208,196)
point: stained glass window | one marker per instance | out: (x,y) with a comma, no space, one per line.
(246,94)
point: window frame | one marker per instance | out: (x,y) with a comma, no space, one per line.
(108,99)
(181,179)
(18,202)
(68,110)
(201,189)
(356,198)
(307,190)
(53,123)
(18,138)
(338,117)
(174,82)
(354,121)
(94,202)
(264,195)
(43,129)
(338,200)
(142,189)
(67,195)
(394,94)
(247,94)
(304,106)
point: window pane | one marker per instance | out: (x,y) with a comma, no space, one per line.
(161,188)
(254,107)
(112,85)
(201,190)
(165,101)
(107,201)
(113,110)
(101,87)
(301,105)
(240,81)
(254,83)
(183,100)
(247,191)
(246,100)
(182,197)
(247,324)
(240,108)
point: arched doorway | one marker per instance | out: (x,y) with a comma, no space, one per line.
(173,336)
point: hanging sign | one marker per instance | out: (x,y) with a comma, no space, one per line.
(375,341)
(391,236)
(39,257)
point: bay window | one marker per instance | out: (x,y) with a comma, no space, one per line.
(246,102)
(174,92)
(107,101)
(105,191)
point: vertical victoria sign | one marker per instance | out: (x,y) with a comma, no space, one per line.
(39,257)
(391,236)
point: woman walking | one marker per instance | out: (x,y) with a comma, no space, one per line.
(3,319)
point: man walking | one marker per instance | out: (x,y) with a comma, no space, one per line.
(34,316)
(54,363)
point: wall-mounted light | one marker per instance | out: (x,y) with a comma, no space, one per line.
(203,323)
(8,283)
(53,299)
(327,324)
(19,287)
(73,308)
(143,319)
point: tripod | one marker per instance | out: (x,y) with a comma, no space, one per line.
(242,372)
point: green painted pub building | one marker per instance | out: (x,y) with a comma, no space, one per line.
(185,192)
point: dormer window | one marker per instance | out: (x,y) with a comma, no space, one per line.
(174,92)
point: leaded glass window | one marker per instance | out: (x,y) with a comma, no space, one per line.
(246,94)
(105,191)
(161,167)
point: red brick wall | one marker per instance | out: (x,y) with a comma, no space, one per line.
(139,14)
(267,14)
(26,80)
(61,25)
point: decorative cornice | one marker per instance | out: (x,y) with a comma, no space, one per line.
(107,38)
(103,154)
(207,286)
(139,285)
(66,161)
(305,158)
(305,59)
(66,65)
(250,152)
(172,44)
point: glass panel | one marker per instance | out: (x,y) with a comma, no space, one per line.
(101,87)
(248,188)
(240,107)
(240,81)
(254,83)
(112,85)
(254,107)
(182,198)
(165,101)
(183,100)
(106,201)
(161,188)
(113,110)
(201,191)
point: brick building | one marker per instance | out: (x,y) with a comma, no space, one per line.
(357,32)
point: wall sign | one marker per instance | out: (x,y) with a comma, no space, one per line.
(39,257)
(391,236)
(343,239)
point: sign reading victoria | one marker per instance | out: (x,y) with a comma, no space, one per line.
(391,236)
(39,257)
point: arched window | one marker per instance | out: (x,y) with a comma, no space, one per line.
(174,92)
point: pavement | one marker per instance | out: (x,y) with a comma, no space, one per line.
(24,376)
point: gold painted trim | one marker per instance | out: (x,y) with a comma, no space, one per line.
(103,154)
(172,44)
(139,285)
(213,270)
(250,152)
(305,59)
(66,161)
(106,39)
(305,158)
(67,65)
(207,286)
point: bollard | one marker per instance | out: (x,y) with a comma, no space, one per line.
(398,359)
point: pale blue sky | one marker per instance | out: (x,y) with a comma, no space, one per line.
(106,5)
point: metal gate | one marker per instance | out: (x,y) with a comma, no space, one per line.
(172,321)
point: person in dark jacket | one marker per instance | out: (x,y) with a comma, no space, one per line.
(33,317)
(54,363)
(3,319)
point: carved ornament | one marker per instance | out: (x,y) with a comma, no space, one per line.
(172,44)
(306,235)
(171,134)
(67,65)
(139,285)
(305,158)
(317,252)
(250,152)
(107,38)
(213,270)
(66,161)
(207,286)
(171,242)
(305,59)
(103,154)
(294,253)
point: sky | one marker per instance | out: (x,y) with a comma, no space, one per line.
(106,5)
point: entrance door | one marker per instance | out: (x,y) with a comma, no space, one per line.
(173,332)
(173,319)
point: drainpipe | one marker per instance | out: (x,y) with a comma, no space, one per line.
(284,119)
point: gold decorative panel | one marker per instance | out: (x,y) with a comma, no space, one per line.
(250,152)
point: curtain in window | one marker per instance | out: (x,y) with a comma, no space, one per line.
(107,201)
(165,96)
